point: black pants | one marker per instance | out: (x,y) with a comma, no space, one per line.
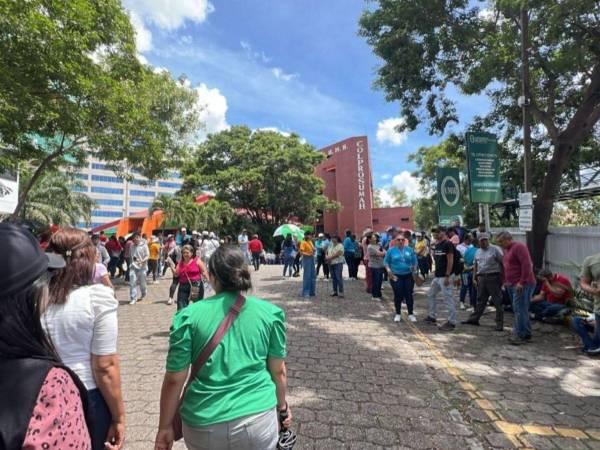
(183,294)
(256,260)
(321,262)
(297,264)
(173,287)
(403,291)
(153,268)
(489,286)
(423,265)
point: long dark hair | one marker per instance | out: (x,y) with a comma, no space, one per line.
(21,331)
(80,254)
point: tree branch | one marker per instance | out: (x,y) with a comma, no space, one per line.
(545,119)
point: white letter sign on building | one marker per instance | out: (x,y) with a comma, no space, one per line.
(362,203)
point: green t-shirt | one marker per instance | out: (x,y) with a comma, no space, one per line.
(235,381)
(591,270)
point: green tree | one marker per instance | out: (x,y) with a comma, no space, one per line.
(399,197)
(580,213)
(175,210)
(54,200)
(264,174)
(378,199)
(429,48)
(71,86)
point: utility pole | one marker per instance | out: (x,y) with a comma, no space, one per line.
(525,99)
(524,102)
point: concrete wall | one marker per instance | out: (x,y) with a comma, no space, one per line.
(401,216)
(566,247)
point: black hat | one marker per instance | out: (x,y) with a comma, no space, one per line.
(24,260)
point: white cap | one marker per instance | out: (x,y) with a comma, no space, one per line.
(212,235)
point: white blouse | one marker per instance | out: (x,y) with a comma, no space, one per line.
(85,324)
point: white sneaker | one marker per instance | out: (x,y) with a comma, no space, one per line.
(471,309)
(133,302)
(341,295)
(397,318)
(155,282)
(170,301)
(375,299)
(412,318)
(462,306)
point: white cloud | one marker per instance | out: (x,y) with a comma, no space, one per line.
(212,106)
(405,181)
(280,74)
(143,37)
(254,55)
(486,14)
(386,176)
(170,15)
(275,129)
(387,133)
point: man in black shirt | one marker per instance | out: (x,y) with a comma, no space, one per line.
(443,255)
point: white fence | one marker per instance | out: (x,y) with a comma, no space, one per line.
(566,247)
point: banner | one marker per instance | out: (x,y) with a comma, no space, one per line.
(448,193)
(9,191)
(484,168)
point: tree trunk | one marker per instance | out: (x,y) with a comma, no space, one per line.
(36,175)
(544,203)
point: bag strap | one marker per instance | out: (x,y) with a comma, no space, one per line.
(214,342)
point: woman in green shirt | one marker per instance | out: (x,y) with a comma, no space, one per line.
(233,401)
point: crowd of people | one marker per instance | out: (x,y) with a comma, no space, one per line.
(61,385)
(59,326)
(498,274)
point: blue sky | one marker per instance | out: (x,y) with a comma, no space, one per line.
(291,65)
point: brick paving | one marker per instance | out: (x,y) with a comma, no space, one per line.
(359,381)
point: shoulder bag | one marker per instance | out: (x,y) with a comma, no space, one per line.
(204,355)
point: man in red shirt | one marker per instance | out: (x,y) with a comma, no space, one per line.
(256,247)
(555,291)
(520,284)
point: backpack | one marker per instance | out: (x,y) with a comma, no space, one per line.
(458,264)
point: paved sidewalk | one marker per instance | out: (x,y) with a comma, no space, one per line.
(359,381)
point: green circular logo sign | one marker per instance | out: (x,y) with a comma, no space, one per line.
(450,191)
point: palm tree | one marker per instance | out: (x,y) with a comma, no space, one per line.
(54,200)
(174,209)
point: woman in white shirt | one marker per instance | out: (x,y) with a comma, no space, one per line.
(81,319)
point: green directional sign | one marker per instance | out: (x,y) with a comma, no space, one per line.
(448,193)
(484,168)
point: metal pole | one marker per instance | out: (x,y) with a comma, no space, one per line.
(526,99)
(486,214)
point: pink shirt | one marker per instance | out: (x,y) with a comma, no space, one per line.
(518,267)
(57,420)
(188,272)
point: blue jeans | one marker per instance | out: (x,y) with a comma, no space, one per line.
(403,290)
(336,277)
(100,418)
(288,261)
(308,275)
(589,342)
(135,276)
(377,276)
(545,309)
(520,304)
(466,286)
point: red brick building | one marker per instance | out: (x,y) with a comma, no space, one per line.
(348,180)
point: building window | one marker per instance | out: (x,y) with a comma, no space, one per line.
(142,193)
(142,182)
(107,190)
(175,175)
(81,176)
(79,189)
(99,166)
(108,202)
(169,184)
(106,179)
(81,225)
(404,219)
(97,224)
(100,213)
(139,204)
(375,221)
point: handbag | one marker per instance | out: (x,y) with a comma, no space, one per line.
(208,349)
(194,288)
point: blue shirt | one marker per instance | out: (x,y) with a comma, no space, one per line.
(385,239)
(349,245)
(400,260)
(470,255)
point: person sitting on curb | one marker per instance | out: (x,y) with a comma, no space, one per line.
(555,290)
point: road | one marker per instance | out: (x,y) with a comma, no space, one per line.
(357,380)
